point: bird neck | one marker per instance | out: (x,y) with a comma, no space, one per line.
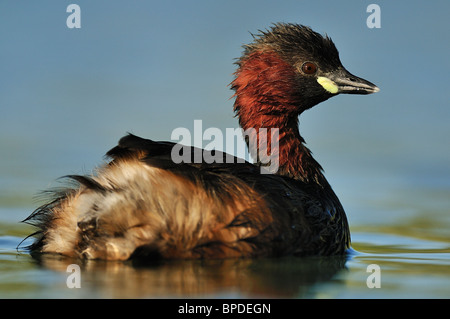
(268,105)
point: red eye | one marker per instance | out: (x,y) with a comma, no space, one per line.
(309,68)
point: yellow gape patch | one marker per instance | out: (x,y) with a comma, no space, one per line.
(327,84)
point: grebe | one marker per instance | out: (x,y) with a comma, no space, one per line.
(142,204)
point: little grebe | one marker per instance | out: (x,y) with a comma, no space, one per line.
(143,204)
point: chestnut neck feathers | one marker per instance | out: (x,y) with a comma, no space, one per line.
(273,87)
(268,96)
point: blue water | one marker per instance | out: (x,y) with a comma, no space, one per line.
(67,96)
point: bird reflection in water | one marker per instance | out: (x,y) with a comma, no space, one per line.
(287,277)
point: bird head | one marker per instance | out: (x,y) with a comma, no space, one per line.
(290,68)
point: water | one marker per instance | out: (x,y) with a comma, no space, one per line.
(413,256)
(67,96)
(409,268)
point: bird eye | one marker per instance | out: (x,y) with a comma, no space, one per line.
(309,68)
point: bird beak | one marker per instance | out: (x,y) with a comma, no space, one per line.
(342,81)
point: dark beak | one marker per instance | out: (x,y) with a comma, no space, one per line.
(350,84)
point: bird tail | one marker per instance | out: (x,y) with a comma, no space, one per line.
(131,210)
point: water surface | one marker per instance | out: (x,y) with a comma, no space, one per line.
(410,267)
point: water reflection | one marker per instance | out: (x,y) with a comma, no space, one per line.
(410,268)
(261,278)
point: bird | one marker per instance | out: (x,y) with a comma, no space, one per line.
(143,204)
